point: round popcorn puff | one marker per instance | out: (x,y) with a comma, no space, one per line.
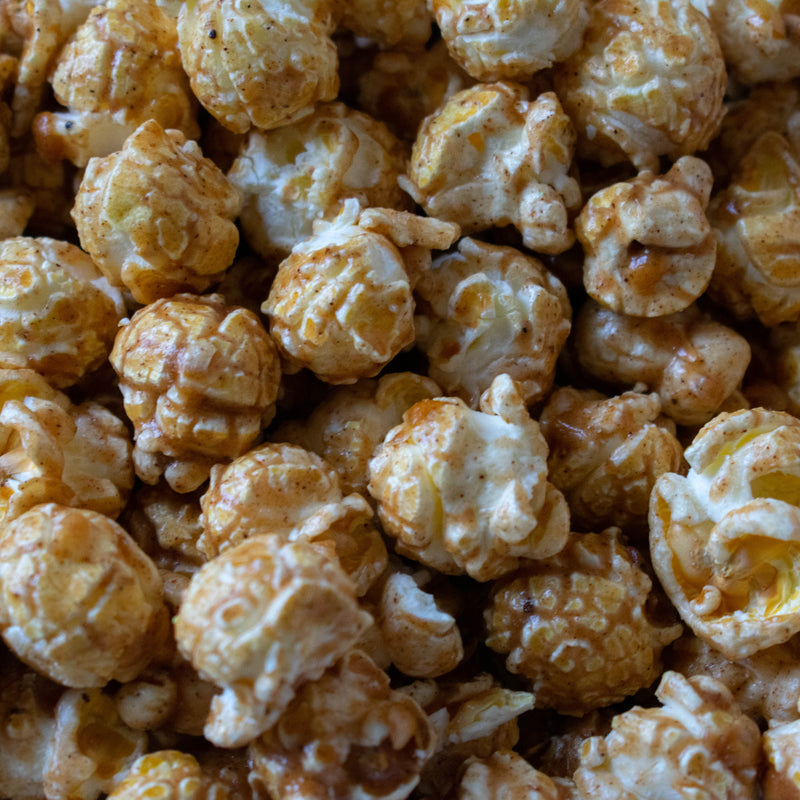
(724,538)
(399,24)
(698,743)
(466,491)
(486,310)
(346,734)
(507,776)
(649,249)
(264,64)
(490,157)
(782,751)
(692,362)
(259,620)
(648,80)
(199,380)
(81,603)
(58,315)
(120,68)
(301,172)
(576,625)
(157,217)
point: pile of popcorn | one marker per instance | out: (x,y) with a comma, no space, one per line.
(399,399)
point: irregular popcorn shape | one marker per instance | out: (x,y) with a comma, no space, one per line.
(782,777)
(399,24)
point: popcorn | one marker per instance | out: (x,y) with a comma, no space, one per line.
(16,208)
(403,24)
(782,778)
(507,776)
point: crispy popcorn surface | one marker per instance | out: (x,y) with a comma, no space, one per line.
(781,749)
(199,379)
(402,24)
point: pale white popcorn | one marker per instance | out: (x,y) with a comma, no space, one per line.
(649,249)
(490,157)
(16,208)
(264,64)
(485,310)
(723,539)
(402,24)
(781,745)
(157,217)
(648,80)
(302,172)
(341,303)
(505,775)
(259,620)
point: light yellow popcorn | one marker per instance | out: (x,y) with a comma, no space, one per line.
(264,64)
(157,217)
(346,734)
(121,67)
(199,379)
(781,745)
(507,776)
(466,491)
(259,620)
(649,249)
(648,81)
(725,538)
(401,24)
(486,310)
(490,157)
(500,40)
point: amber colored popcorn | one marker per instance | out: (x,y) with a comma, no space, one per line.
(157,217)
(399,24)
(466,492)
(264,64)
(490,157)
(16,208)
(649,249)
(781,780)
(259,620)
(199,379)
(122,66)
(648,81)
(697,744)
(692,362)
(346,734)
(484,310)
(606,454)
(8,69)
(505,775)
(302,171)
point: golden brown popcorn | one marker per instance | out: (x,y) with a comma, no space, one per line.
(698,744)
(199,379)
(157,217)
(401,24)
(606,454)
(259,620)
(648,81)
(507,776)
(724,539)
(782,751)
(466,491)
(692,362)
(577,625)
(81,603)
(341,303)
(16,208)
(301,172)
(490,157)
(485,310)
(346,734)
(264,64)
(8,68)
(649,248)
(121,67)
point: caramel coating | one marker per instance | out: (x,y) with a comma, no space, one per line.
(648,81)
(199,379)
(490,157)
(485,310)
(402,24)
(507,776)
(16,208)
(782,778)
(157,217)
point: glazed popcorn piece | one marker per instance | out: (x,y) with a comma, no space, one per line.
(649,248)
(346,734)
(157,217)
(402,24)
(782,752)
(507,776)
(494,40)
(265,64)
(466,491)
(490,157)
(577,626)
(606,454)
(648,81)
(724,539)
(692,362)
(259,620)
(698,744)
(485,310)
(120,68)
(341,303)
(199,379)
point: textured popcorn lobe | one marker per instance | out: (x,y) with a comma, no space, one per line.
(404,24)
